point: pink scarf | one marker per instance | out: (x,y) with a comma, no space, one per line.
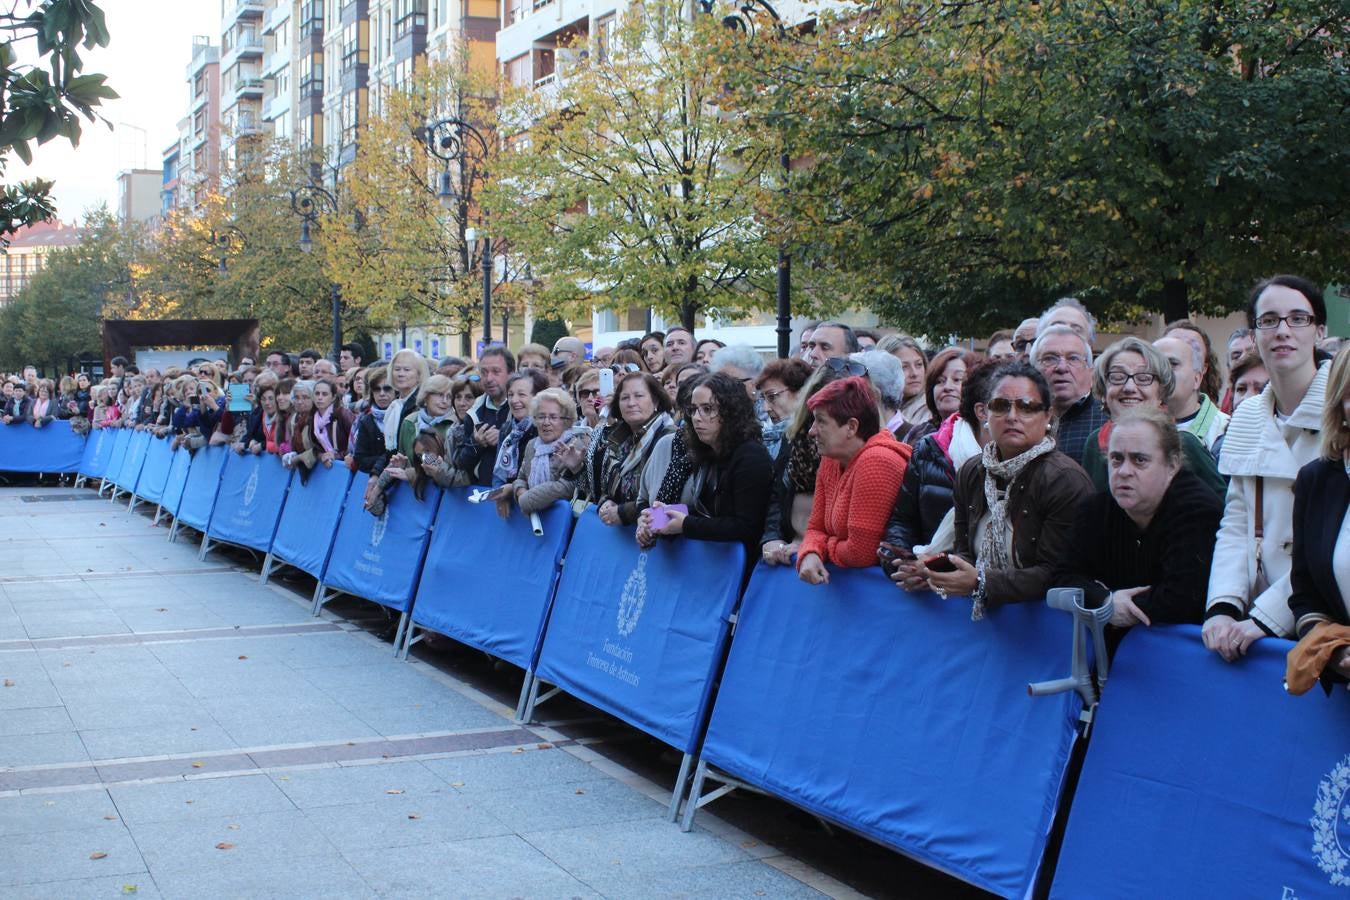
(40,408)
(321,423)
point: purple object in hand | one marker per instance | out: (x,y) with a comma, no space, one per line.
(661,516)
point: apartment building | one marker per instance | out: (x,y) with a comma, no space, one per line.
(191,164)
(27,253)
(241,73)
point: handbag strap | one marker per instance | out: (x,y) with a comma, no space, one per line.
(1260,524)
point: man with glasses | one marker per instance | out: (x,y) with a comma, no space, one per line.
(829,340)
(1025,336)
(569,349)
(1065,359)
(279,364)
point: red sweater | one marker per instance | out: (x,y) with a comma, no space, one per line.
(848,518)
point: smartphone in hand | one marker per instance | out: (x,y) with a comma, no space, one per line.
(940,563)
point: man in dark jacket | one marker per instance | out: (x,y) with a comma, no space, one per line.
(476,441)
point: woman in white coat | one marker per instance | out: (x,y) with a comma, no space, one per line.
(1269,439)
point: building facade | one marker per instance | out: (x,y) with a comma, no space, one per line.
(27,253)
(191,165)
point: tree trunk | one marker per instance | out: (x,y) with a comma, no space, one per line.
(1174,300)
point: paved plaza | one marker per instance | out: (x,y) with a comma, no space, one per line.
(170,727)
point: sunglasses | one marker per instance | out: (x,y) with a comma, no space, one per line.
(383,389)
(1001,406)
(839,364)
(474,377)
(586,393)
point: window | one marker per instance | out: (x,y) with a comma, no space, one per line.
(311,18)
(410,15)
(515,11)
(355,45)
(604,37)
(517,71)
(353,113)
(311,74)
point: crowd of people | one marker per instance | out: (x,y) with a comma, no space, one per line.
(1139,472)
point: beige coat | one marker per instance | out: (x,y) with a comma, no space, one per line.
(1258,445)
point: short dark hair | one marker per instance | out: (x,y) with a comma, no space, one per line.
(688,331)
(311,354)
(976,389)
(285,357)
(355,350)
(538,380)
(851,344)
(1021,369)
(119,361)
(739,423)
(659,395)
(934,370)
(792,372)
(630,344)
(499,350)
(1307,288)
(659,335)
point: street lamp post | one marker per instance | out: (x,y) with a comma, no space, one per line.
(225,240)
(743,20)
(309,201)
(448,140)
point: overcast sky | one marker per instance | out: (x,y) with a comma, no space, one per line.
(146,63)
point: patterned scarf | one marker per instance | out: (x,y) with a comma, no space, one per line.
(507,466)
(803,461)
(429,423)
(541,466)
(993,550)
(321,422)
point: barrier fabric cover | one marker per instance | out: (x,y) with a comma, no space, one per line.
(633,634)
(199,495)
(53,448)
(130,470)
(176,483)
(310,518)
(117,455)
(155,472)
(248,504)
(1205,779)
(98,447)
(378,557)
(895,715)
(488,581)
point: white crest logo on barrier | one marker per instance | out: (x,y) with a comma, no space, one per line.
(1331,824)
(251,488)
(377,529)
(634,597)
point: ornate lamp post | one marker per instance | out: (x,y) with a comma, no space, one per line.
(225,240)
(309,201)
(448,140)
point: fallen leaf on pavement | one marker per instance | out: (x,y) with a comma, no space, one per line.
(544,746)
(414,816)
(241,656)
(9,682)
(224,845)
(98,854)
(394,791)
(580,791)
(196,765)
(110,818)
(129,889)
(457,784)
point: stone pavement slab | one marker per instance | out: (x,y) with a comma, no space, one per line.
(170,727)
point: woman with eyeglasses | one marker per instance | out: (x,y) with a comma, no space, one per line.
(724,475)
(1016,503)
(778,385)
(368,451)
(1269,438)
(547,474)
(620,454)
(793,488)
(1133,374)
(861,467)
(1146,543)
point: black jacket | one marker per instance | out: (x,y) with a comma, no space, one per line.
(925,495)
(370,454)
(1172,556)
(1321,497)
(737,494)
(468,456)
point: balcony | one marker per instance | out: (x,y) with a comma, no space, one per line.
(248,43)
(242,9)
(276,17)
(248,127)
(249,88)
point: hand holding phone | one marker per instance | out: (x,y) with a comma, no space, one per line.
(939,563)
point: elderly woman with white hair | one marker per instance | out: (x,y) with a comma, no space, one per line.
(544,476)
(740,361)
(887,377)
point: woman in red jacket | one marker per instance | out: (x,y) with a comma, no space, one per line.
(861,468)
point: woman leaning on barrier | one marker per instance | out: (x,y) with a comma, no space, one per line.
(861,467)
(434,416)
(723,475)
(552,459)
(1320,577)
(1016,503)
(1148,541)
(44,407)
(326,431)
(368,452)
(519,429)
(611,476)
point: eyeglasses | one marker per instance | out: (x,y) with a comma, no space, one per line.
(1270,321)
(703,411)
(473,377)
(1021,344)
(839,364)
(1055,360)
(551,417)
(1119,377)
(1001,406)
(587,393)
(771,396)
(383,389)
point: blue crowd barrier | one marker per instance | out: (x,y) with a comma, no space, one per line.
(97,448)
(53,448)
(1206,779)
(379,557)
(632,633)
(199,493)
(309,521)
(116,457)
(248,502)
(132,463)
(154,473)
(898,717)
(488,582)
(176,483)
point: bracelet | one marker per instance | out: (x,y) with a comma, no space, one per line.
(978,597)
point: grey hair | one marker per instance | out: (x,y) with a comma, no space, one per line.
(1071,303)
(885,373)
(1197,353)
(742,356)
(1059,329)
(1153,358)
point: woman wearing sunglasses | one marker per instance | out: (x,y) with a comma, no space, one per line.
(1016,503)
(368,451)
(1130,375)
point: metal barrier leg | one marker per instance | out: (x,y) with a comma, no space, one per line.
(266,568)
(173,531)
(159,511)
(681,783)
(695,795)
(398,634)
(525,688)
(206,546)
(319,598)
